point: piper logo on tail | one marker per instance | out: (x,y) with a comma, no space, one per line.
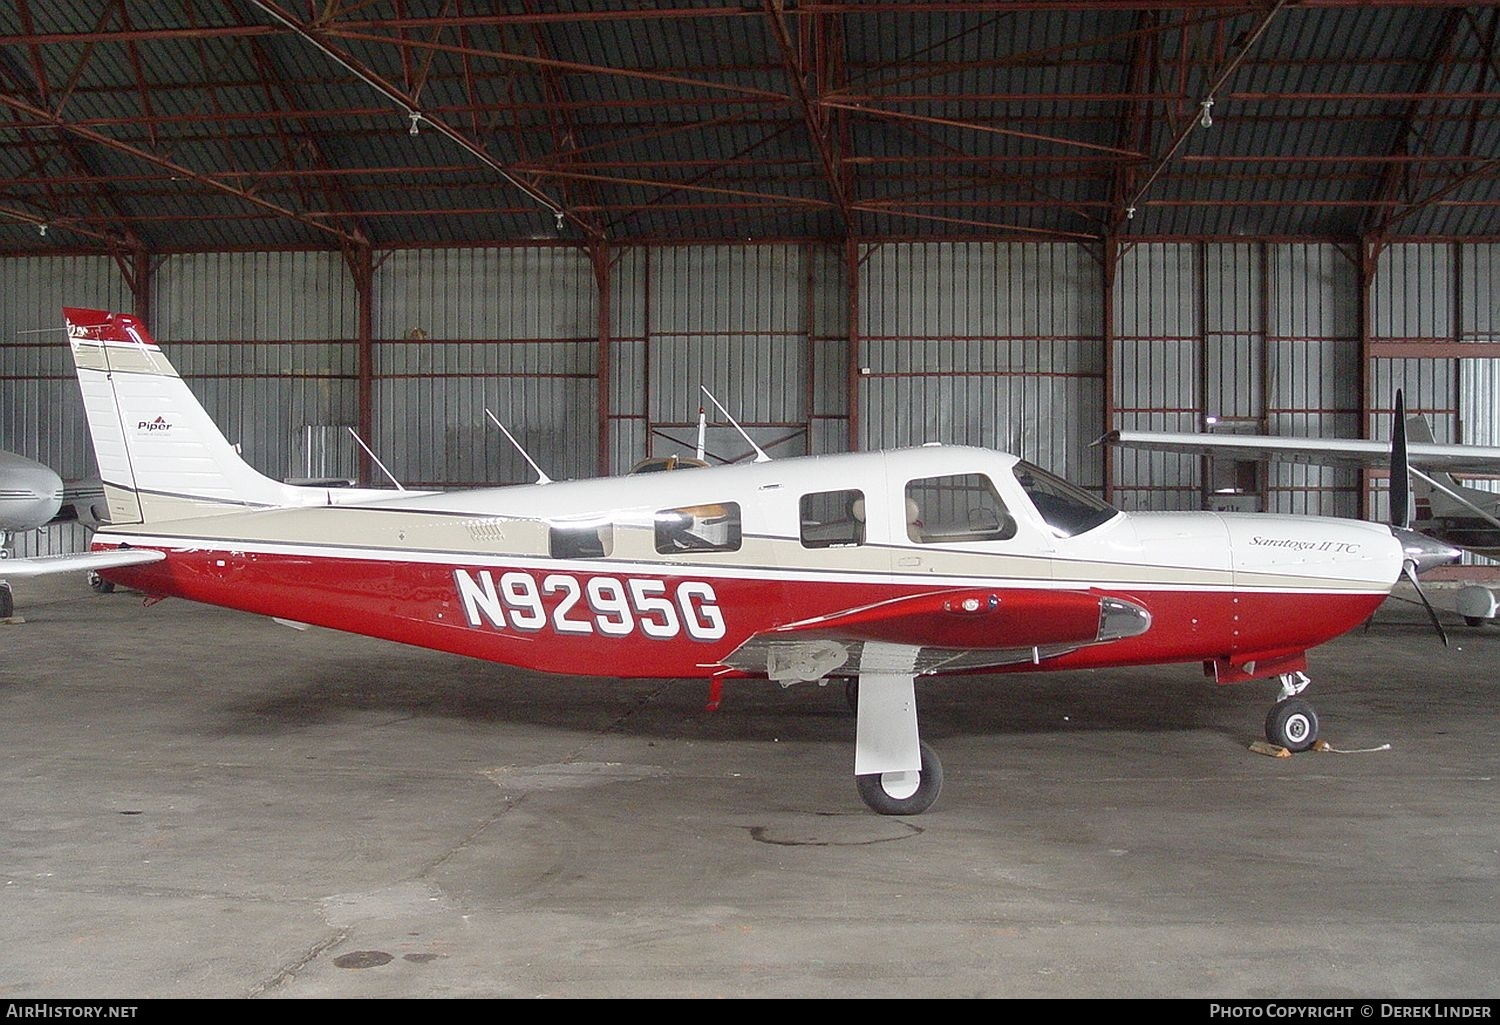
(159,424)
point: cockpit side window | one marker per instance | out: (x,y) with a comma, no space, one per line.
(580,540)
(960,507)
(1069,510)
(699,528)
(832,519)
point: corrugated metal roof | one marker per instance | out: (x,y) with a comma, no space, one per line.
(198,124)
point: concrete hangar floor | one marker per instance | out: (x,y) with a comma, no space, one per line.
(205,803)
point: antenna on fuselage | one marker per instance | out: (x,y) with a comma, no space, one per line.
(760,457)
(361,442)
(541,478)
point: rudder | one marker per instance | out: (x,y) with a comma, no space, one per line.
(160,455)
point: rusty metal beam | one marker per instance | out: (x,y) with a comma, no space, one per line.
(410,106)
(1400,178)
(1216,83)
(814,117)
(48,118)
(974,126)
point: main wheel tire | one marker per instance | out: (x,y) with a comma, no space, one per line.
(1292,724)
(7,602)
(1473,621)
(851,695)
(897,793)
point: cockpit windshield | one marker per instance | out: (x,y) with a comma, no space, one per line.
(1068,509)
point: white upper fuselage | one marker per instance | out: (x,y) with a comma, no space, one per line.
(1153,549)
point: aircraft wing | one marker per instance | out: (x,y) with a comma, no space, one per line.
(77,562)
(941,631)
(1328,451)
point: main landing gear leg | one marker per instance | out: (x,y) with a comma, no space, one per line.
(1292,722)
(895,772)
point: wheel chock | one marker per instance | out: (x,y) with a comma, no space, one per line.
(1262,747)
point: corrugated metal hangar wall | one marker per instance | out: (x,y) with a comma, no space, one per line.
(814,347)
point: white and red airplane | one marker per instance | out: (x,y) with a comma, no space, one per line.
(878,567)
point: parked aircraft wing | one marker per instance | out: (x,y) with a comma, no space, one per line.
(1331,451)
(77,562)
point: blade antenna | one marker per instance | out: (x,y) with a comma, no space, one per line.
(760,457)
(355,435)
(541,478)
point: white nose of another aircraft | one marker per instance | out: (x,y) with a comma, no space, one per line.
(30,493)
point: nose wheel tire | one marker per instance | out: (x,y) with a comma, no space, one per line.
(903,793)
(1292,724)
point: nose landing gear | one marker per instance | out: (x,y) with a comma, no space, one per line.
(1292,722)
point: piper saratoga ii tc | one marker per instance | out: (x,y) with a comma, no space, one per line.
(877,567)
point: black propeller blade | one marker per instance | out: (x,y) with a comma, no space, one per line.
(1409,570)
(1400,468)
(1401,506)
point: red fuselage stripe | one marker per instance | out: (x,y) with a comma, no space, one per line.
(676,624)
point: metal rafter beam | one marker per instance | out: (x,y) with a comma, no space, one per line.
(1402,177)
(670,189)
(814,118)
(506,56)
(99,199)
(313,34)
(1216,83)
(281,99)
(952,154)
(172,167)
(1136,124)
(73,224)
(567,131)
(1393,180)
(1028,57)
(974,126)
(987,226)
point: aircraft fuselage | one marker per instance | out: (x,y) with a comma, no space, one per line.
(672,575)
(30,493)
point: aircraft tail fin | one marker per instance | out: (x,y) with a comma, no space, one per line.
(160,455)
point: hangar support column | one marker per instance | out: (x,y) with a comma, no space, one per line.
(1111,261)
(599,256)
(362,264)
(851,272)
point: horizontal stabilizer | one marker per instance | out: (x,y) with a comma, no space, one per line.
(77,562)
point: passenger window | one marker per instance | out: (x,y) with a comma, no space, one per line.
(962,507)
(833,519)
(581,540)
(699,528)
